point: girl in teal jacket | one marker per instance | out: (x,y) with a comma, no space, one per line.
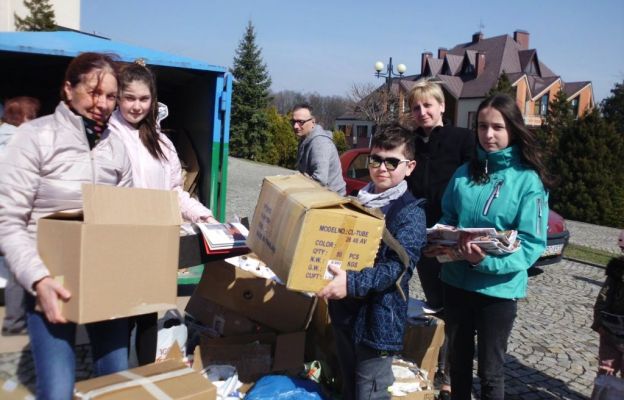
(503,188)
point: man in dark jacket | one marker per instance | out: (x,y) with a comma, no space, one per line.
(317,155)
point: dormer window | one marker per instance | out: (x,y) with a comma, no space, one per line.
(532,68)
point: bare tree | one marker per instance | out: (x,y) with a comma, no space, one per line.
(326,108)
(375,103)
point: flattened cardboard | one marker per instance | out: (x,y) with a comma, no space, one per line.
(422,342)
(258,299)
(113,269)
(299,228)
(253,355)
(170,379)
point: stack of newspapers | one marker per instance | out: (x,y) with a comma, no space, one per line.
(223,238)
(488,239)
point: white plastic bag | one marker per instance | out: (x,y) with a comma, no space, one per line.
(608,387)
(171,330)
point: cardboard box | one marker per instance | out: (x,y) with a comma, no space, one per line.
(253,355)
(299,228)
(258,299)
(119,257)
(218,320)
(422,341)
(420,395)
(170,379)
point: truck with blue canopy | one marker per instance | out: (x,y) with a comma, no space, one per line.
(197,94)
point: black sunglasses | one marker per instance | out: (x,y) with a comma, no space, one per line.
(299,121)
(391,163)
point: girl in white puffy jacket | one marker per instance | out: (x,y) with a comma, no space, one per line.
(155,165)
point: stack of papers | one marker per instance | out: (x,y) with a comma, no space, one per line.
(488,239)
(222,238)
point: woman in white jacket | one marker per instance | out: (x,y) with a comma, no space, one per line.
(43,168)
(155,165)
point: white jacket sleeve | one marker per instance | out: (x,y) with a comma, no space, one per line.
(192,210)
(19,183)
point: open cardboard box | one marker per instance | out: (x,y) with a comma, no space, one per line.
(259,299)
(119,256)
(299,228)
(422,341)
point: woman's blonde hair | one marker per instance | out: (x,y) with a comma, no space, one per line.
(423,89)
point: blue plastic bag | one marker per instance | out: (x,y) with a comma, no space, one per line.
(283,387)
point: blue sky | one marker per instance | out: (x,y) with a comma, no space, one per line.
(327,46)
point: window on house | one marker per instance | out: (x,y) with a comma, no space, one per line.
(575,106)
(362,131)
(531,68)
(342,128)
(541,106)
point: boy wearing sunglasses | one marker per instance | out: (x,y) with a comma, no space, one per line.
(368,309)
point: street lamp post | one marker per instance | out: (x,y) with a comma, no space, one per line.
(389,74)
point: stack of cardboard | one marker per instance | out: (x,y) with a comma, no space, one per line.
(299,228)
(253,323)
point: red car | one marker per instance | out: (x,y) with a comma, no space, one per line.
(355,173)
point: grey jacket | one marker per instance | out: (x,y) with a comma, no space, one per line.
(317,157)
(43,167)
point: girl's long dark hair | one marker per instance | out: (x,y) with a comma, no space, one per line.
(519,135)
(148,132)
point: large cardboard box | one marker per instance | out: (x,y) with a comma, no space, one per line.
(253,355)
(299,228)
(218,320)
(258,299)
(170,379)
(422,341)
(119,256)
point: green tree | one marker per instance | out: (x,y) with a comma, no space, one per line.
(589,164)
(250,99)
(613,107)
(557,121)
(282,149)
(503,85)
(340,141)
(41,17)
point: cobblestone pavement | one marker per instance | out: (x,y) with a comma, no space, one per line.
(594,236)
(552,351)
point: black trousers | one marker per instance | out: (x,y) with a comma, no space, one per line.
(146,337)
(428,269)
(491,319)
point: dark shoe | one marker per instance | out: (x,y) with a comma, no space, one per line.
(444,395)
(13,331)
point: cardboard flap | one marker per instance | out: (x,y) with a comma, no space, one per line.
(375,212)
(111,205)
(306,191)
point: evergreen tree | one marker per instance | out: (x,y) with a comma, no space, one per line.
(41,17)
(558,119)
(589,164)
(613,107)
(503,86)
(250,98)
